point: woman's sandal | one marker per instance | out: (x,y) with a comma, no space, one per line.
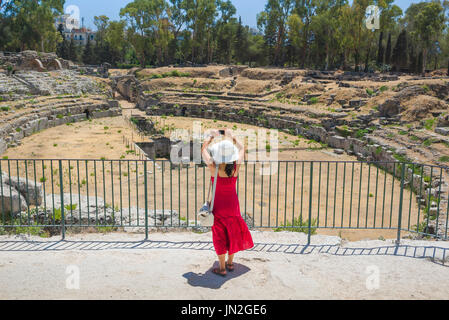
(219,272)
(230,267)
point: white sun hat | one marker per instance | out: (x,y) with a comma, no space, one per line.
(224,152)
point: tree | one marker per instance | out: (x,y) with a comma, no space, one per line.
(73,51)
(425,21)
(62,49)
(241,43)
(30,24)
(88,53)
(273,22)
(380,52)
(388,51)
(115,38)
(200,17)
(399,57)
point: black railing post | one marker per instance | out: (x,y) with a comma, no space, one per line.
(310,204)
(146,198)
(61,191)
(401,198)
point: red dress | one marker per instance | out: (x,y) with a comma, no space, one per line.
(230,233)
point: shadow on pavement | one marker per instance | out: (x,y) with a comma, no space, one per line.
(213,281)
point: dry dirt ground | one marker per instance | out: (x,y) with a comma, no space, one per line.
(178,266)
(339,199)
(99,138)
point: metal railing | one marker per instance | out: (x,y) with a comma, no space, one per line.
(54,196)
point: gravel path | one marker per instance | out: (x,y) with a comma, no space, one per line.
(177,266)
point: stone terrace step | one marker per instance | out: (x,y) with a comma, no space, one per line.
(14,128)
(307,111)
(59,82)
(210,96)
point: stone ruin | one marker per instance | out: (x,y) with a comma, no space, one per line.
(127,86)
(41,62)
(18,194)
(36,61)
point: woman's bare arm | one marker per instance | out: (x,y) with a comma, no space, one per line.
(240,146)
(205,153)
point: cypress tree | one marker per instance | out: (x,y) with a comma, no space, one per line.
(399,57)
(240,43)
(419,65)
(388,50)
(413,63)
(88,53)
(380,52)
(73,54)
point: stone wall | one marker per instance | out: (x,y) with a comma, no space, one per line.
(127,86)
(14,128)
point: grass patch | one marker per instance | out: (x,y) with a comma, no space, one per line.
(429,123)
(299,225)
(313,100)
(428,142)
(378,150)
(400,157)
(361,133)
(174,73)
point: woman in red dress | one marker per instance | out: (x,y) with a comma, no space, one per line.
(230,233)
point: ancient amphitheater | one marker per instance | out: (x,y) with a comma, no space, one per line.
(360,155)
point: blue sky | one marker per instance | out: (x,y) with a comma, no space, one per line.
(247,9)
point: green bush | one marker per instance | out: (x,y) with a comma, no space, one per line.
(313,100)
(429,123)
(361,133)
(378,150)
(268,147)
(126,65)
(156,76)
(299,225)
(70,207)
(428,142)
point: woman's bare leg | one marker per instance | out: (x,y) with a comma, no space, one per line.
(222,261)
(230,258)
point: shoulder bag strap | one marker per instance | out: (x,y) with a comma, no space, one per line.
(214,189)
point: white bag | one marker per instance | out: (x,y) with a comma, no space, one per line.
(205,214)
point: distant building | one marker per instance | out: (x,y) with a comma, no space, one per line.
(255,32)
(71,30)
